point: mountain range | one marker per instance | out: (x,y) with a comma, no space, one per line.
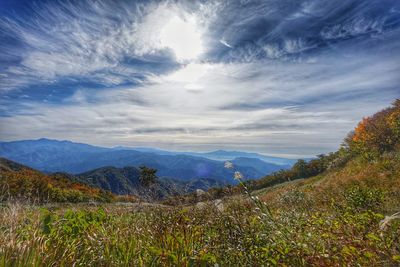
(221,155)
(65,156)
(17,180)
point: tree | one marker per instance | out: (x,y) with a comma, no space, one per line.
(377,134)
(300,168)
(147,175)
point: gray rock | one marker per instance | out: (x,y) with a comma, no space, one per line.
(200,192)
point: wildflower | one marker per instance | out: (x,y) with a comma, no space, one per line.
(238,176)
(254,198)
(228,165)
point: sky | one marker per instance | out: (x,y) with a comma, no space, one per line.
(278,77)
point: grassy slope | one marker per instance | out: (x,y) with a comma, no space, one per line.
(381,177)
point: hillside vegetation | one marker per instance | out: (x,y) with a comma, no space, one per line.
(340,209)
(23,183)
(368,158)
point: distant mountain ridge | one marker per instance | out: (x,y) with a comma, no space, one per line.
(66,156)
(221,155)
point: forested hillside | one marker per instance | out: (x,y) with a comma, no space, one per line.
(25,184)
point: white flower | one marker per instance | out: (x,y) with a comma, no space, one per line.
(238,176)
(228,165)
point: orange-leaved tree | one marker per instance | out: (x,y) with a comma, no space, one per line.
(377,134)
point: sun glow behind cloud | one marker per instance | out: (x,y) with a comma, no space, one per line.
(183,37)
(170,27)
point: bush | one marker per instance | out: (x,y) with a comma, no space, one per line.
(71,224)
(364,198)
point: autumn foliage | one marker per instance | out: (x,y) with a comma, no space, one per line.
(377,134)
(35,186)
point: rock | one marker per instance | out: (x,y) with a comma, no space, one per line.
(200,192)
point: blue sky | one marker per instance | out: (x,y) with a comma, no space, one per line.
(278,77)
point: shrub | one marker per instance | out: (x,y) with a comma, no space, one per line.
(71,224)
(364,198)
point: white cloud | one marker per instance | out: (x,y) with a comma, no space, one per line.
(189,73)
(78,97)
(222,41)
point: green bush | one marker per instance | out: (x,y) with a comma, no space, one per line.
(364,198)
(72,223)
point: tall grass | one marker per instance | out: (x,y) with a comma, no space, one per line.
(240,235)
